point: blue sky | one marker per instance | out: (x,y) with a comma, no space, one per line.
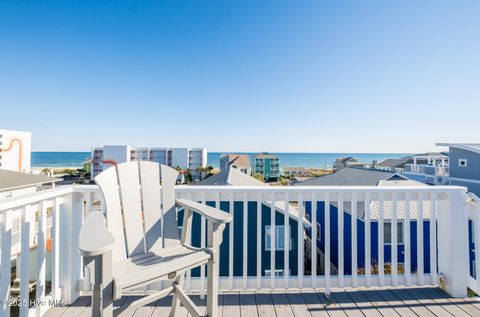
(290,76)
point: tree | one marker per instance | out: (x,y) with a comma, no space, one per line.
(259,177)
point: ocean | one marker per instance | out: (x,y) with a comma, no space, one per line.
(318,160)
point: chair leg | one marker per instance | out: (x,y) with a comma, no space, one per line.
(102,295)
(212,288)
(180,281)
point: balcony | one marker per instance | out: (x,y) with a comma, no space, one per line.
(349,278)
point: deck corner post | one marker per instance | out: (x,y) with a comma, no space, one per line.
(453,243)
(70,265)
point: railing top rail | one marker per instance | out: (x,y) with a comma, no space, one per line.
(33,198)
(311,189)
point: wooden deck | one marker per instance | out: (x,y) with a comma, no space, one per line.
(404,302)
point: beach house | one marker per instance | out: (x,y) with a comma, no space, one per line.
(382,229)
(268,166)
(234,177)
(238,161)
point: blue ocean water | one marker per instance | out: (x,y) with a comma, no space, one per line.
(319,160)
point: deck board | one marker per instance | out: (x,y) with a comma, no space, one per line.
(248,304)
(371,302)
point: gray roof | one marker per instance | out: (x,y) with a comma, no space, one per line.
(392,163)
(233,177)
(15,180)
(350,176)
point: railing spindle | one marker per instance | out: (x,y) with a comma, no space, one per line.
(381,244)
(313,251)
(368,250)
(6,230)
(56,292)
(300,261)
(433,239)
(41,243)
(406,229)
(245,241)
(24,260)
(341,271)
(327,243)
(259,240)
(354,240)
(231,208)
(394,244)
(286,257)
(420,265)
(272,241)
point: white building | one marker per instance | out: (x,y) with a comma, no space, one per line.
(186,158)
(15,150)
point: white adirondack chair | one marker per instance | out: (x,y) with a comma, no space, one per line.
(130,252)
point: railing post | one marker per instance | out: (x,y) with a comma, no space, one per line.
(453,243)
(70,223)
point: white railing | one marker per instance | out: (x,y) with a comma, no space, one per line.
(444,206)
(473,205)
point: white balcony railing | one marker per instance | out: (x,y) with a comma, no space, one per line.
(448,209)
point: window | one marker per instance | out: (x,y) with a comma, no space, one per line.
(277,272)
(462,162)
(279,238)
(387,232)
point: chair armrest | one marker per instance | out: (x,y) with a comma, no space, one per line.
(95,239)
(212,214)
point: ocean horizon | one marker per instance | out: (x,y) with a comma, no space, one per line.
(308,160)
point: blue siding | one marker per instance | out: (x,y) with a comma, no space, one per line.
(253,244)
(360,240)
(471,171)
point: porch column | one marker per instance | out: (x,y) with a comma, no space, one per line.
(453,242)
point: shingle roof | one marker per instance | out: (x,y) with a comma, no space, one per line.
(394,162)
(232,177)
(266,155)
(14,180)
(350,176)
(238,159)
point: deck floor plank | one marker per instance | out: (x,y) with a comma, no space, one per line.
(412,302)
(331,306)
(264,304)
(370,302)
(346,303)
(463,304)
(163,307)
(231,304)
(281,304)
(394,302)
(435,308)
(314,305)
(297,303)
(248,305)
(439,299)
(363,303)
(379,303)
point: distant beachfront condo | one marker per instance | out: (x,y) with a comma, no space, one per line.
(267,165)
(186,158)
(15,150)
(238,161)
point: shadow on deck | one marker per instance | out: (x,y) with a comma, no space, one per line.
(398,301)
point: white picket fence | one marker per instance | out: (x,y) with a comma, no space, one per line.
(449,211)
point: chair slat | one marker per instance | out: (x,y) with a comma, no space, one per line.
(108,183)
(169,178)
(150,181)
(129,181)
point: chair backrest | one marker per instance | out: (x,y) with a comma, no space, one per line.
(140,213)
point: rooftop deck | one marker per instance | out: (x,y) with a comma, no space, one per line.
(398,301)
